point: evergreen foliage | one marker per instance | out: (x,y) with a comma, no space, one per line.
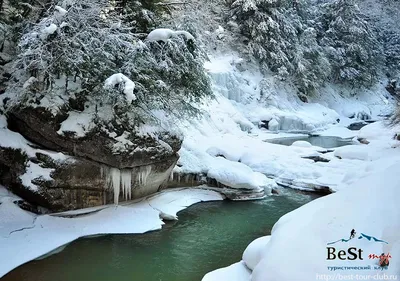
(87,41)
(311,43)
(351,43)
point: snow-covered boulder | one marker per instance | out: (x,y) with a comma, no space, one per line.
(302,144)
(375,131)
(254,252)
(228,153)
(265,182)
(352,152)
(234,174)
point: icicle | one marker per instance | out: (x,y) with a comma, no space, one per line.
(126,183)
(118,179)
(144,172)
(114,182)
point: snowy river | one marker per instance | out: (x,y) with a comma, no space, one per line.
(206,237)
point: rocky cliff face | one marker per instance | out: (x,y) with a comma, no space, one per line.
(62,172)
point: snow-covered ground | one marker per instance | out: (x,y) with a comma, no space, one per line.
(297,248)
(228,145)
(229,133)
(25,236)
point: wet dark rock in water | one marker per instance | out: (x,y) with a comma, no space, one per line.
(275,191)
(357,125)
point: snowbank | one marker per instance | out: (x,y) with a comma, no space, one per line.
(366,202)
(234,174)
(25,236)
(254,252)
(234,272)
(230,130)
(302,235)
(352,152)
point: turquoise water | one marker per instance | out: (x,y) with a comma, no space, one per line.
(206,237)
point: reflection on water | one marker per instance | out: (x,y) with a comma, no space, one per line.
(207,236)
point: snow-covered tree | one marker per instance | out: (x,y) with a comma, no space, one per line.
(270,34)
(310,43)
(391,45)
(350,43)
(311,67)
(142,15)
(282,39)
(88,41)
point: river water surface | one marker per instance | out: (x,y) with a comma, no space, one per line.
(206,237)
(321,141)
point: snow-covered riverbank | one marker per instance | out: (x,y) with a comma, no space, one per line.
(368,203)
(25,236)
(230,143)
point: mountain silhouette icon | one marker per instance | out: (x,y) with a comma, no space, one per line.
(362,236)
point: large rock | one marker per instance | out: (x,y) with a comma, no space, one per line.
(60,171)
(41,126)
(77,182)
